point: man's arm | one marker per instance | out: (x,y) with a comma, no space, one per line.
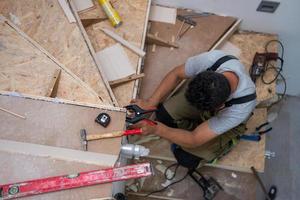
(170,81)
(187,139)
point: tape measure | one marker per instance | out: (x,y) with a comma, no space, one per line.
(103,119)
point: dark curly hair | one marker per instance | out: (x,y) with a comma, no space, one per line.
(208,91)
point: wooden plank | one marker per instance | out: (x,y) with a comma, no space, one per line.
(58,153)
(126,79)
(64,5)
(30,68)
(133,29)
(152,39)
(250,43)
(163,14)
(52,91)
(20,167)
(115,62)
(122,41)
(45,22)
(56,122)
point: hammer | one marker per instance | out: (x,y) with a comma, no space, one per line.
(85,138)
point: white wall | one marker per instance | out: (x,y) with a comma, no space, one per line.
(285,22)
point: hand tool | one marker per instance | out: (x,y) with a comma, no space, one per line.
(57,183)
(209,186)
(256,136)
(185,20)
(85,137)
(271,195)
(260,62)
(136,114)
(103,119)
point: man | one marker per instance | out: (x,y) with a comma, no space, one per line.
(202,117)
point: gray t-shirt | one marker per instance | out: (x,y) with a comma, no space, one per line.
(229,117)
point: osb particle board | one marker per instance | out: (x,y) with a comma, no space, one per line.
(134,15)
(20,167)
(55,122)
(28,69)
(250,43)
(45,22)
(197,40)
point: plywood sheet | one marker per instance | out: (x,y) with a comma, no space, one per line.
(134,15)
(27,68)
(20,167)
(55,122)
(45,22)
(250,43)
(197,40)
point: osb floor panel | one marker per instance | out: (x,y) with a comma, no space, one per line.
(19,167)
(197,40)
(57,124)
(26,69)
(134,15)
(46,23)
(249,43)
(236,185)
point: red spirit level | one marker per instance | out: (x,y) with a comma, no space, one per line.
(57,183)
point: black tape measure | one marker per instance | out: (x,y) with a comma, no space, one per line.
(103,119)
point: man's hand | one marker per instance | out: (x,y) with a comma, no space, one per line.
(146,104)
(147,128)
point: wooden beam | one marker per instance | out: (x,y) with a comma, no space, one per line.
(52,90)
(124,42)
(12,113)
(126,79)
(58,153)
(152,39)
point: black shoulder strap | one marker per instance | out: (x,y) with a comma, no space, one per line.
(241,100)
(219,62)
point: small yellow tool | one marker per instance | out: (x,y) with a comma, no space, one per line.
(111,13)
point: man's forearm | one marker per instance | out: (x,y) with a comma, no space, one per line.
(181,137)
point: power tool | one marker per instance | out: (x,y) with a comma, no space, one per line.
(260,63)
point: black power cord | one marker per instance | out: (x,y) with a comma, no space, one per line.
(176,165)
(278,70)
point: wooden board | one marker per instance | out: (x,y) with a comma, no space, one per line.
(56,122)
(134,15)
(250,43)
(45,22)
(20,167)
(28,68)
(197,40)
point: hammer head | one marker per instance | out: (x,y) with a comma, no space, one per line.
(186,20)
(83,139)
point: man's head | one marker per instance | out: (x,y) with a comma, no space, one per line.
(208,91)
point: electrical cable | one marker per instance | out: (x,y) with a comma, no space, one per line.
(169,178)
(278,70)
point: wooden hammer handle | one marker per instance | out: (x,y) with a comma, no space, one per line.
(104,135)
